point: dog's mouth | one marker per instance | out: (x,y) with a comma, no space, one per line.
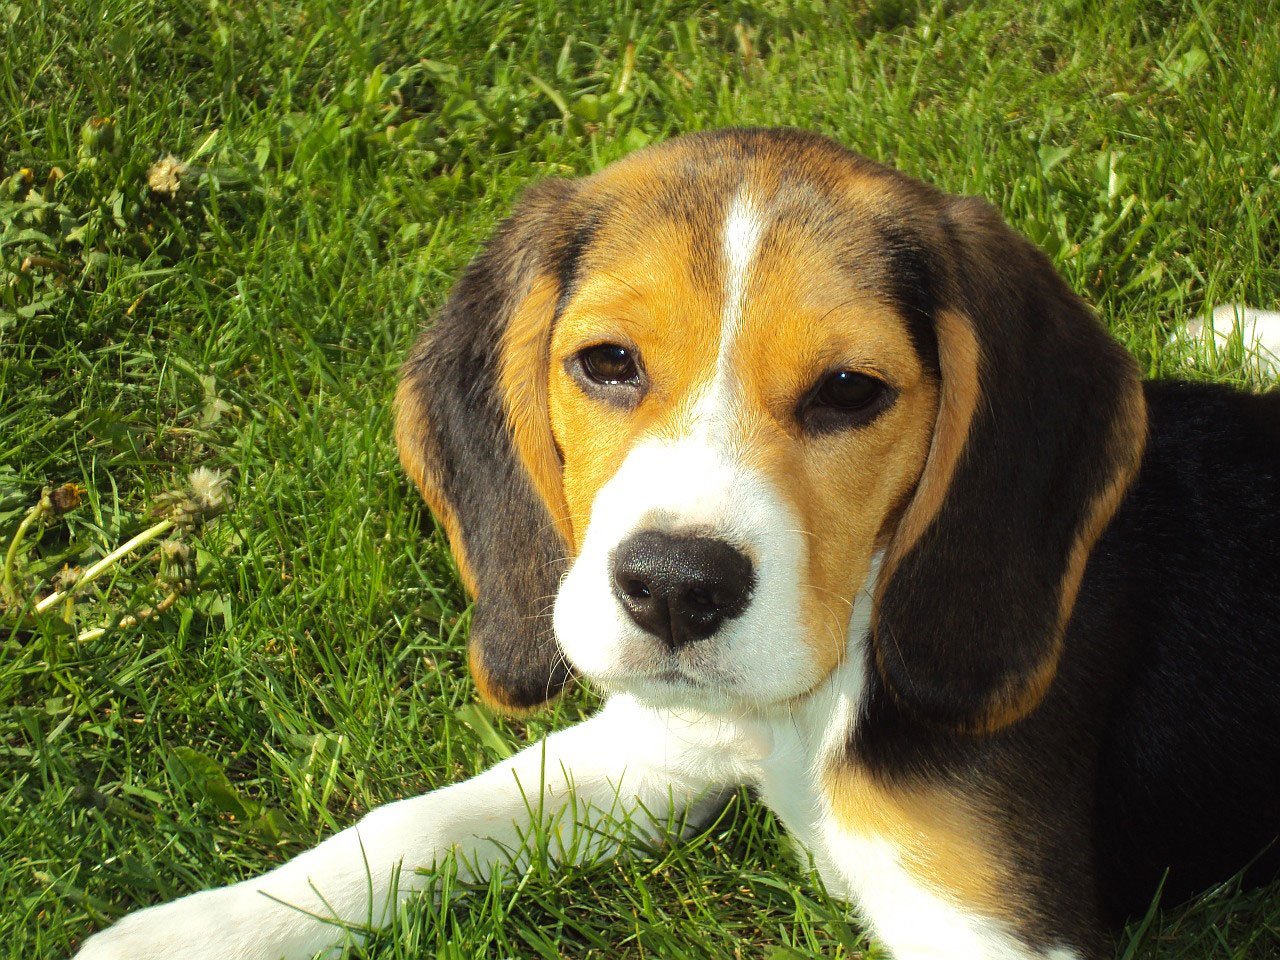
(672,675)
(668,684)
(626,680)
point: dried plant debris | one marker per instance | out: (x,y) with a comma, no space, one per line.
(181,514)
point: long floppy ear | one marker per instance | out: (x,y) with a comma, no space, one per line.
(1040,430)
(473,431)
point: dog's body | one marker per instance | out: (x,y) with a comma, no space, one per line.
(829,452)
(1181,594)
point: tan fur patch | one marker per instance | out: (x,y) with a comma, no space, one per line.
(523,384)
(648,301)
(959,357)
(943,840)
(419,457)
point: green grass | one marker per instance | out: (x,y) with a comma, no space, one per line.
(346,160)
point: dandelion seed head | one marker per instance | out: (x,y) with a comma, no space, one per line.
(205,497)
(209,486)
(165,175)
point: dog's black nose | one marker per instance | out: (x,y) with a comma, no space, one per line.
(680,588)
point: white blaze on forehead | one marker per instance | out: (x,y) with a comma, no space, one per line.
(742,229)
(744,225)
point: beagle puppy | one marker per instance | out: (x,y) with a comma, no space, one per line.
(839,492)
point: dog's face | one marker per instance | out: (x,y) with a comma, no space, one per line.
(740,412)
(685,402)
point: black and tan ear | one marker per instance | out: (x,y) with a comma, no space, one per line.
(1040,430)
(473,431)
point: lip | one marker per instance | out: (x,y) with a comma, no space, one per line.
(675,675)
(669,675)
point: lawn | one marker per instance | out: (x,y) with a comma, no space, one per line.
(244,306)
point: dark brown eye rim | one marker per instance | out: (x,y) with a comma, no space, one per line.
(847,397)
(610,365)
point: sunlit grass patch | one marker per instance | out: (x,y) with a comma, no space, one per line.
(221,225)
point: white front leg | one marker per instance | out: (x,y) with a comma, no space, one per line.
(628,768)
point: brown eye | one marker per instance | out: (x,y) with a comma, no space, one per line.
(609,364)
(844,399)
(846,390)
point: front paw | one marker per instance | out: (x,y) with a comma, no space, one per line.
(212,925)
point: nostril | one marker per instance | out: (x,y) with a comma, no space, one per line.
(636,589)
(703,598)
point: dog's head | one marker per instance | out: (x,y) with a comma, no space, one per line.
(674,414)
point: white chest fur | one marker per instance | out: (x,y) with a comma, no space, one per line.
(786,758)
